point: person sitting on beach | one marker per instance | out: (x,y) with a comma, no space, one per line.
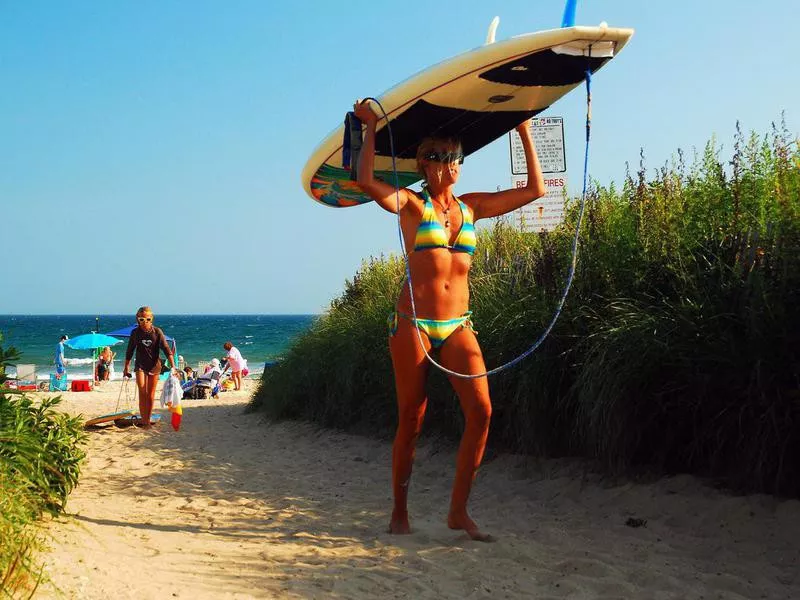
(218,369)
(208,380)
(146,341)
(440,241)
(235,362)
(188,373)
(215,366)
(104,362)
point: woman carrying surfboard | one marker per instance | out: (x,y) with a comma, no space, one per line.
(438,230)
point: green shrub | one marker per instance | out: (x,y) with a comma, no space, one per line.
(40,456)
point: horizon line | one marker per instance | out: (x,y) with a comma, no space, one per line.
(167,314)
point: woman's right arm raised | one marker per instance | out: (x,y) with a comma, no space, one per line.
(384,194)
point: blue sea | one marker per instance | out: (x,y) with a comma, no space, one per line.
(260,338)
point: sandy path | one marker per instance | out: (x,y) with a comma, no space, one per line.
(232,507)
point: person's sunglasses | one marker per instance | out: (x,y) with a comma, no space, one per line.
(143,319)
(445,157)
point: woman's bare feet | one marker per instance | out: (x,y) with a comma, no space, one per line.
(468,525)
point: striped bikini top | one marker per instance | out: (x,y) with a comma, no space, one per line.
(431,234)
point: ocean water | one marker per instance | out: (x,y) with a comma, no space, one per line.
(260,338)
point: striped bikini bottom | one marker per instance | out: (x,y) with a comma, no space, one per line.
(437,330)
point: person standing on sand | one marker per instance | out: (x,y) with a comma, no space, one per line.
(61,369)
(104,364)
(236,363)
(440,241)
(146,340)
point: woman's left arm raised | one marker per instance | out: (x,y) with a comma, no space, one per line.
(494,204)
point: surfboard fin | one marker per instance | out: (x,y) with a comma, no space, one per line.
(492,30)
(351,144)
(568,20)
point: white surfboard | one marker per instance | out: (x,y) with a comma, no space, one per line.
(477,97)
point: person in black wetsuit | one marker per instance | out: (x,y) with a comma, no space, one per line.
(146,341)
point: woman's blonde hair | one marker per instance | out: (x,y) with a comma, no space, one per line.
(144,310)
(435,144)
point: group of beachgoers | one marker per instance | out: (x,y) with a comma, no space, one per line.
(103,365)
(214,371)
(145,345)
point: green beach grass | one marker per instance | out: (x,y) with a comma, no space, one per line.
(40,457)
(677,349)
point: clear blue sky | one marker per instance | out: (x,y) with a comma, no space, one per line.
(150,151)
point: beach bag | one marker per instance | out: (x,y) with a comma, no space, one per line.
(171,396)
(58,384)
(172,393)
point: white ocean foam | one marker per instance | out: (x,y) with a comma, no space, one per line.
(43,371)
(78,361)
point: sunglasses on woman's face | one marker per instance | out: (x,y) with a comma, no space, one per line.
(445,157)
(143,319)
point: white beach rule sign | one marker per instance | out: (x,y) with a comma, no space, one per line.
(548,135)
(547,212)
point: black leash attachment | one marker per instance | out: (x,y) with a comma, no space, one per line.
(351,144)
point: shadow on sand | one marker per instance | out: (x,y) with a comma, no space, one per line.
(302,508)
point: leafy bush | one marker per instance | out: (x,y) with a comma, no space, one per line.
(40,458)
(40,446)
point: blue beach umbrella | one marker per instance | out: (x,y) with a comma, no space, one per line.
(91,341)
(126,332)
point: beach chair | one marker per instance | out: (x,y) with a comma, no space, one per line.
(26,373)
(204,386)
(25,378)
(58,384)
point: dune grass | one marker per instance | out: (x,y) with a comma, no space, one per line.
(40,456)
(677,349)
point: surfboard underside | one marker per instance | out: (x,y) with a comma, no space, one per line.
(476,97)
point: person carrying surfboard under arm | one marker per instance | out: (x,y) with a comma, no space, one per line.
(438,229)
(146,341)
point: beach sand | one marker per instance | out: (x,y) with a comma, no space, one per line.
(232,506)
